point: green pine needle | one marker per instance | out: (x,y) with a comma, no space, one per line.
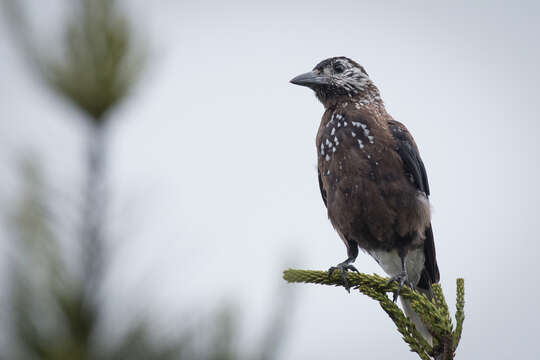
(460,315)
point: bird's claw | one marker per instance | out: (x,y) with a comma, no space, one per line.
(343,268)
(401,279)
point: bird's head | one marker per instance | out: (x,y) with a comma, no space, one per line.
(339,77)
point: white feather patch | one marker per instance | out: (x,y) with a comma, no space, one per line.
(391,263)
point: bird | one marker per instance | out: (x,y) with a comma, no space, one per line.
(372,180)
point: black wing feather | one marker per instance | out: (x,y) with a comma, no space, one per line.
(411,158)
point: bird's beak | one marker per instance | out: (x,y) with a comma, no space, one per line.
(311,79)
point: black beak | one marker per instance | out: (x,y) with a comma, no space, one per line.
(311,79)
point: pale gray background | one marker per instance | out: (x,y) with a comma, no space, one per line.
(213,160)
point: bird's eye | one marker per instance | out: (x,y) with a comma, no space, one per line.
(338,68)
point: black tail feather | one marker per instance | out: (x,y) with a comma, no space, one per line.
(430,274)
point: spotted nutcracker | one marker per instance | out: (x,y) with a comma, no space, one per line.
(372,179)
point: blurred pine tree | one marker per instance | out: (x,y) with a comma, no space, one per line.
(54,314)
(49,315)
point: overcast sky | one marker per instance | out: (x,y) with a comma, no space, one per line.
(213,161)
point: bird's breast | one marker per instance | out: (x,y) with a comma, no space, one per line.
(339,136)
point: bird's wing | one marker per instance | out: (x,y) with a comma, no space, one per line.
(407,150)
(323,192)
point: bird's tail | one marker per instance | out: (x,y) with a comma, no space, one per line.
(416,320)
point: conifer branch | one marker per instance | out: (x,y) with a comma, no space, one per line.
(434,313)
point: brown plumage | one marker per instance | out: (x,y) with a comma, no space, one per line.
(371,176)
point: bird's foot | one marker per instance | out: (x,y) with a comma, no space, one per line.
(401,279)
(343,268)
